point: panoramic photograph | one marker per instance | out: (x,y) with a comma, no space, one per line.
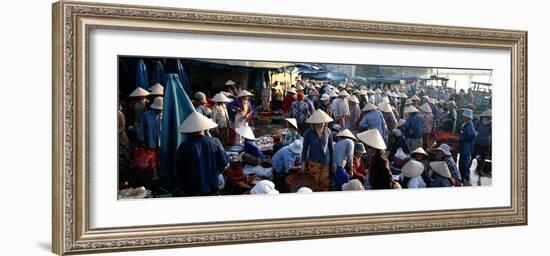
(212,127)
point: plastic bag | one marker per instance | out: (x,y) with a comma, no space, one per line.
(400,158)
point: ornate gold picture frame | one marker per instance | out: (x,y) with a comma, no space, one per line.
(72,23)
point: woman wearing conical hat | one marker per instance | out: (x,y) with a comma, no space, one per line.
(324,104)
(483,140)
(340,108)
(343,157)
(389,116)
(150,127)
(317,152)
(412,175)
(289,99)
(243,109)
(299,110)
(421,156)
(427,125)
(466,145)
(200,159)
(221,117)
(412,128)
(138,105)
(354,112)
(291,133)
(449,120)
(373,119)
(441,175)
(379,173)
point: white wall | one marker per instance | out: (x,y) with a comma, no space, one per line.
(25,128)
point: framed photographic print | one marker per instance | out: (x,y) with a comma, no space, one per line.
(179,127)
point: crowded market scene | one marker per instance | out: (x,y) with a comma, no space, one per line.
(206,127)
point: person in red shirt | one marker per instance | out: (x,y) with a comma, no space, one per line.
(289,98)
(359,168)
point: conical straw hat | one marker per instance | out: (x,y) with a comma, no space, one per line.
(352,98)
(299,87)
(346,133)
(377,90)
(292,90)
(441,168)
(157,89)
(403,95)
(139,92)
(293,122)
(369,106)
(410,109)
(196,122)
(412,169)
(157,103)
(220,97)
(414,97)
(244,93)
(230,82)
(319,117)
(372,138)
(333,94)
(246,132)
(419,150)
(370,91)
(385,107)
(487,112)
(426,108)
(343,93)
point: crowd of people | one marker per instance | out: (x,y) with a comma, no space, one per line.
(338,136)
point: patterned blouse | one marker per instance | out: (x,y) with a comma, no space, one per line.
(290,137)
(220,116)
(299,110)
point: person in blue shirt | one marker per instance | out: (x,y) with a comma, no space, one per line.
(412,128)
(374,119)
(466,146)
(200,159)
(449,121)
(149,136)
(149,130)
(343,157)
(286,160)
(483,140)
(443,153)
(250,146)
(318,153)
(441,175)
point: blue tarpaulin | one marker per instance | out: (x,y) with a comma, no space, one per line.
(142,79)
(184,79)
(158,73)
(177,107)
(325,76)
